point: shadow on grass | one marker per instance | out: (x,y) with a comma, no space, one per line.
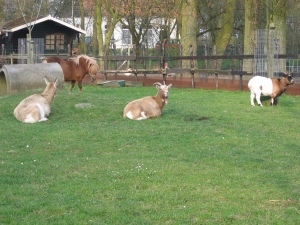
(196,118)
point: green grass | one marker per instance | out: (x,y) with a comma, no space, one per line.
(210,159)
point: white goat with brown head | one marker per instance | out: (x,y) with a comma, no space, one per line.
(36,107)
(273,87)
(150,106)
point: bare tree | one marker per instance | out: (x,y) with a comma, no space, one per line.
(30,22)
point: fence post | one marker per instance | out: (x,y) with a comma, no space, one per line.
(105,63)
(163,61)
(36,53)
(144,60)
(134,62)
(69,50)
(192,66)
(128,54)
(205,53)
(115,53)
(241,67)
(57,49)
(215,67)
(180,62)
(23,49)
(2,52)
(232,61)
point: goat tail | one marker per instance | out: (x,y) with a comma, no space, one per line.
(42,111)
(250,84)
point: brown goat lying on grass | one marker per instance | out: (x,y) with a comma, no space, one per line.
(150,106)
(36,107)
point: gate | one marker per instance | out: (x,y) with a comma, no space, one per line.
(38,49)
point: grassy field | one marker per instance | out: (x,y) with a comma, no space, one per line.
(210,159)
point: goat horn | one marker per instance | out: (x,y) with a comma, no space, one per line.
(157,83)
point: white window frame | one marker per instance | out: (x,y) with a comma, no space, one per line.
(126,37)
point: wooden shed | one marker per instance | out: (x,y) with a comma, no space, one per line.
(52,34)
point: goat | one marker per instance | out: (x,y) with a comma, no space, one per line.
(150,106)
(274,87)
(36,107)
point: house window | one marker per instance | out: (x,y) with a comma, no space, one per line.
(55,41)
(149,38)
(126,40)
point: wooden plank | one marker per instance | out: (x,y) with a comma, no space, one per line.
(133,72)
(114,71)
(111,83)
(134,83)
(120,57)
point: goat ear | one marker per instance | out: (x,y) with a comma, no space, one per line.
(56,82)
(169,86)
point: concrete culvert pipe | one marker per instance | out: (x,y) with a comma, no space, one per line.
(23,77)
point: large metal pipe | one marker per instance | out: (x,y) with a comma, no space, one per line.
(23,77)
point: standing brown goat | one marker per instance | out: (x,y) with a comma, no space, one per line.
(150,106)
(36,107)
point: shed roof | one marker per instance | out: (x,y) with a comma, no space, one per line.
(18,24)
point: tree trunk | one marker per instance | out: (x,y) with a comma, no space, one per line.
(82,26)
(279,20)
(94,42)
(188,29)
(45,7)
(112,20)
(276,21)
(251,17)
(226,27)
(98,20)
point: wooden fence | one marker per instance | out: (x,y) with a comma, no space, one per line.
(163,71)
